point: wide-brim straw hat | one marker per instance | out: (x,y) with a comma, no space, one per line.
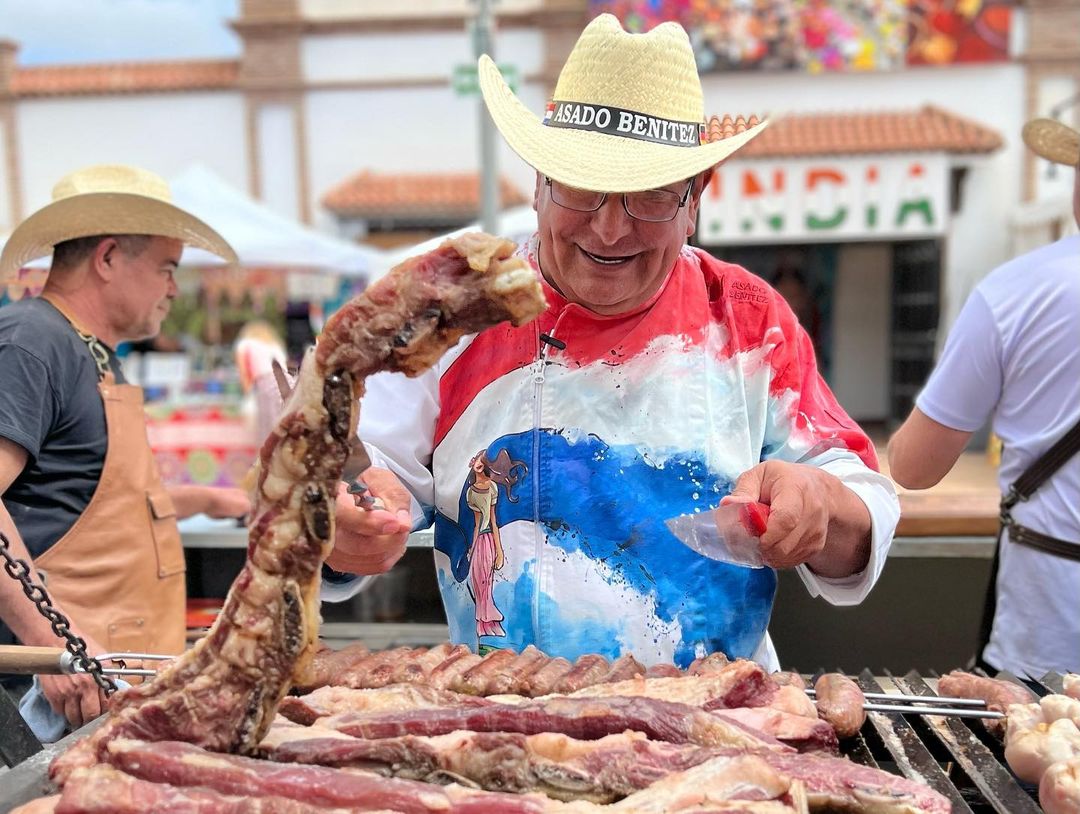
(626,115)
(107,199)
(1052,140)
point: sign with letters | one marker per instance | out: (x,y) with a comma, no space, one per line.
(826,199)
(466,81)
(618,122)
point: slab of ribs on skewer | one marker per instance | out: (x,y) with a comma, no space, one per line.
(440,729)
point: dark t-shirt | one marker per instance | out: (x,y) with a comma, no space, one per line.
(50,406)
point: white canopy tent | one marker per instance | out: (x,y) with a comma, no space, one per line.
(517,224)
(260,236)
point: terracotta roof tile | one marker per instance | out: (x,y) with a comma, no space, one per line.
(928,129)
(414,195)
(129,77)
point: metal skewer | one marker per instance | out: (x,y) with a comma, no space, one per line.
(931,699)
(28,660)
(918,710)
(123,670)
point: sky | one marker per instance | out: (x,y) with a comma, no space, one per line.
(80,31)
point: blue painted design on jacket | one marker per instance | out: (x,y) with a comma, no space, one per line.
(610,503)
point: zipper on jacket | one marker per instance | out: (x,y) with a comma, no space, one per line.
(538,534)
(538,377)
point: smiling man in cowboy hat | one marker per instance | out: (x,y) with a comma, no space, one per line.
(1014,355)
(656,383)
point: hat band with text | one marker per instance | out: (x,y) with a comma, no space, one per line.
(626,123)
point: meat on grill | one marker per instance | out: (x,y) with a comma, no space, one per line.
(42,805)
(840,702)
(583,718)
(1040,735)
(1071,684)
(738,780)
(1031,752)
(327,701)
(104,790)
(791,699)
(737,684)
(997,694)
(1059,789)
(1055,706)
(530,673)
(602,770)
(789,679)
(222,694)
(799,732)
(330,706)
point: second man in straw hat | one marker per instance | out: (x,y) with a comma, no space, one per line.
(658,381)
(81,495)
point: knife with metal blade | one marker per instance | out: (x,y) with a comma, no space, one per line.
(356,464)
(729,533)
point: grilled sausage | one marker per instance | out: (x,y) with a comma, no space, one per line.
(840,702)
(997,694)
(788,679)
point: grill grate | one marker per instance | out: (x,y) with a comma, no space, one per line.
(957,757)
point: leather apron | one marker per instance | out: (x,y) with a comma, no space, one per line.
(119,571)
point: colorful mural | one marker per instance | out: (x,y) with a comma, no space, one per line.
(826,35)
(942,32)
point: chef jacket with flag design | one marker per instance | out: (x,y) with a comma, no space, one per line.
(618,424)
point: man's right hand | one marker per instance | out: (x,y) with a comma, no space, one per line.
(370,541)
(76,697)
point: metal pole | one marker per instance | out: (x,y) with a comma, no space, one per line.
(489,185)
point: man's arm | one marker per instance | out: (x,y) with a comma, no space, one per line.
(371,541)
(830,509)
(75,697)
(923,451)
(212,501)
(397,421)
(959,396)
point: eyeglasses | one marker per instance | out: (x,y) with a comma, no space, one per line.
(652,205)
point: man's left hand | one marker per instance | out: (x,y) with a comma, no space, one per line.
(814,519)
(228,503)
(371,541)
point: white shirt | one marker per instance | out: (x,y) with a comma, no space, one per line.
(1014,353)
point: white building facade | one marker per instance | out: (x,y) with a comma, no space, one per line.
(324,89)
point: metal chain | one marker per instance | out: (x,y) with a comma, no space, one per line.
(19,570)
(97,352)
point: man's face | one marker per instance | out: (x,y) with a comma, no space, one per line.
(606,260)
(145,287)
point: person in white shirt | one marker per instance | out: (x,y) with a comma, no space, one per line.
(1014,355)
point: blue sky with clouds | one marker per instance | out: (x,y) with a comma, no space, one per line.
(73,31)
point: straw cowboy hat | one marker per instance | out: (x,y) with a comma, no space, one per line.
(108,199)
(1052,140)
(627,113)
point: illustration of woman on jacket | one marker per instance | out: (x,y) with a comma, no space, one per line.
(485,554)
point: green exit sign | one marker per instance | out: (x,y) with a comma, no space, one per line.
(466,82)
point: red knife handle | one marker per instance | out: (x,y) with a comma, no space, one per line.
(754,517)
